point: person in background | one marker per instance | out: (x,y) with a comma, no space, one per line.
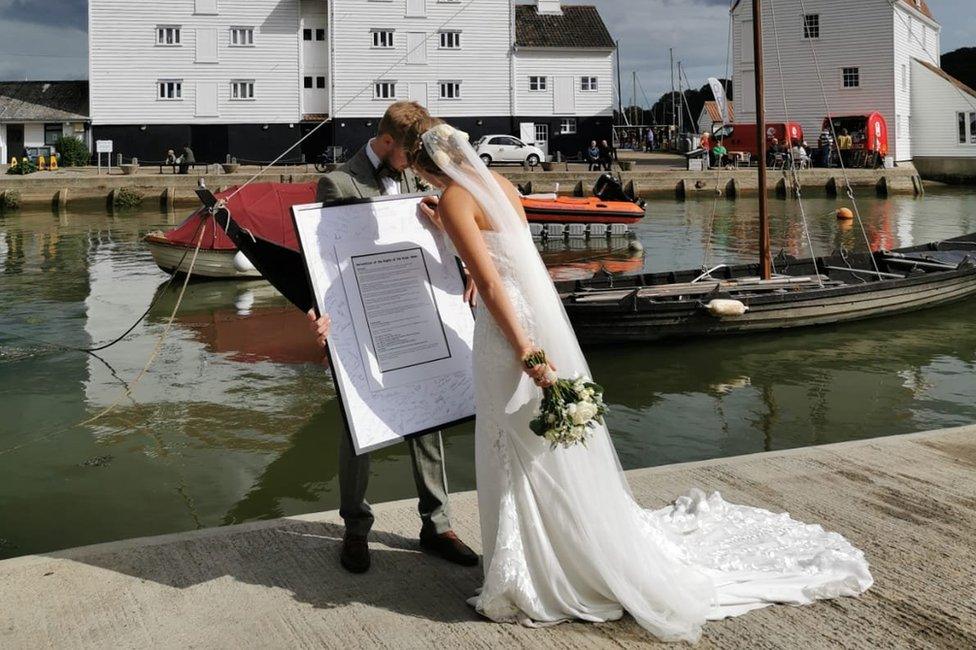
(650,140)
(772,151)
(720,154)
(705,142)
(800,156)
(607,154)
(186,159)
(845,143)
(826,144)
(593,156)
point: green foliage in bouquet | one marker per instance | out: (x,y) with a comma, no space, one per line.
(570,408)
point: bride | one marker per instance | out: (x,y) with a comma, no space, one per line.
(563,537)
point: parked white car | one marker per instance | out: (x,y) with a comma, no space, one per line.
(507,149)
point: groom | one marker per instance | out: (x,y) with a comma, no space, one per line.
(380,168)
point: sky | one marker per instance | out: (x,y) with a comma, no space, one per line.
(47,39)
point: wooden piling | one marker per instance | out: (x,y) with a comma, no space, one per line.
(831,187)
(60,201)
(882,186)
(732,189)
(782,189)
(681,190)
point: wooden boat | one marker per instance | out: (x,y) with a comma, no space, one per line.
(838,288)
(262,209)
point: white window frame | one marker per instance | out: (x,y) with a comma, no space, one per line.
(855,75)
(380,35)
(241,36)
(450,90)
(165,93)
(589,84)
(242,90)
(449,39)
(811,28)
(161,34)
(568,126)
(380,86)
(966,120)
(541,82)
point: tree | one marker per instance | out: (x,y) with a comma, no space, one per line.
(961,64)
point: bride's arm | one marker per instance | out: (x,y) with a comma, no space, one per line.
(457,211)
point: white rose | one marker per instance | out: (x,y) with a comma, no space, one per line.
(585,411)
(441,159)
(571,409)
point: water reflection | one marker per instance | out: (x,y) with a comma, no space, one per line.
(237,419)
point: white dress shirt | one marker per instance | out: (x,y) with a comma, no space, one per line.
(390,186)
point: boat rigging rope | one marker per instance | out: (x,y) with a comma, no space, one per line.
(935,62)
(104,346)
(795,174)
(382,75)
(718,173)
(127,390)
(833,131)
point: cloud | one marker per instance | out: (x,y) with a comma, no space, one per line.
(60,13)
(48,52)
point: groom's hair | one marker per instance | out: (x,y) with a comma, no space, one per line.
(398,119)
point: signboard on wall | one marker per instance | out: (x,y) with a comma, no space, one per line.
(103,146)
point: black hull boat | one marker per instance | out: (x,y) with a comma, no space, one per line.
(734,300)
(728,300)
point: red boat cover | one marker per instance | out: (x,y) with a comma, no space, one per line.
(262,208)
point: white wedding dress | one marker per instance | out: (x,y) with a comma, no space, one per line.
(563,537)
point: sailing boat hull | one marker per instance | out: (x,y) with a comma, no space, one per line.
(651,310)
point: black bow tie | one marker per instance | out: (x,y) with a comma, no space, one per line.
(385,171)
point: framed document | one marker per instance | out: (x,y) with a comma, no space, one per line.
(400,346)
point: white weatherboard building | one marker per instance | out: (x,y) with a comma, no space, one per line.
(874,55)
(248,78)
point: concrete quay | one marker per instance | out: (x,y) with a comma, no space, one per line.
(651,176)
(908,501)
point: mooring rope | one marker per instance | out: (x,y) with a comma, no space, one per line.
(795,174)
(833,130)
(393,66)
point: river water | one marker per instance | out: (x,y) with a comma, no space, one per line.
(237,418)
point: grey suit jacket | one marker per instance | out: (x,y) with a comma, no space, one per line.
(357,179)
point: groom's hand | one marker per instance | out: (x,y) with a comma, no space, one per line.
(428,208)
(470,290)
(321,327)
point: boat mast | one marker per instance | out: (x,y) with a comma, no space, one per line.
(765,256)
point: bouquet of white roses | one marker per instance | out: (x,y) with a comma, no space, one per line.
(570,408)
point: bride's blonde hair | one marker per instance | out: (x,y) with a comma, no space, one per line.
(417,155)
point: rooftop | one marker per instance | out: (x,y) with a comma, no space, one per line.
(43,101)
(715,115)
(948,77)
(579,26)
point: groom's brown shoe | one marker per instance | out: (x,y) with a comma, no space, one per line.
(448,546)
(354,556)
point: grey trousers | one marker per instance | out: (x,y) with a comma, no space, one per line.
(427,457)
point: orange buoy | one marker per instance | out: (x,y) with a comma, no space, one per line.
(845,214)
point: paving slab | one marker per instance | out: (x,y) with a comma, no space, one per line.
(908,501)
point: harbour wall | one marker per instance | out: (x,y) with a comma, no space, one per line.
(84,187)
